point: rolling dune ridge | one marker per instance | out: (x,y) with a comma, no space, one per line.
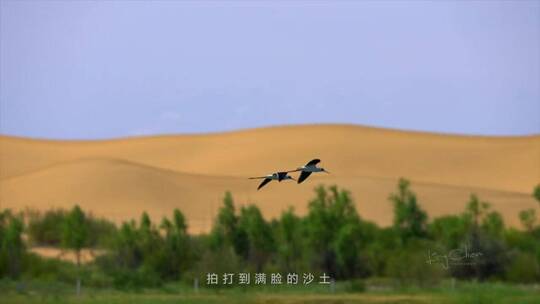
(120,178)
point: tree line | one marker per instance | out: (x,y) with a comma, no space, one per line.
(330,238)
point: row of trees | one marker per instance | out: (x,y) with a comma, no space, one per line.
(331,238)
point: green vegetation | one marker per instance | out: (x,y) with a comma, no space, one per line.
(409,220)
(446,292)
(46,229)
(75,236)
(416,256)
(12,248)
(536,193)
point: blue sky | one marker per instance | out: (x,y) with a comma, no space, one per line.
(102,69)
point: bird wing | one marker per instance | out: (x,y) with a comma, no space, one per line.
(313,162)
(281,175)
(264,182)
(303,176)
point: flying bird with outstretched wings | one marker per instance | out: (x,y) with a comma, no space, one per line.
(307,169)
(279,176)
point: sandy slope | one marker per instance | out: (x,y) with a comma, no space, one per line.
(120,178)
(87,255)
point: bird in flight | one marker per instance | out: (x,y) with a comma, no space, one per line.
(309,168)
(279,176)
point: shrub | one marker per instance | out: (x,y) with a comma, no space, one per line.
(46,228)
(410,267)
(355,286)
(523,268)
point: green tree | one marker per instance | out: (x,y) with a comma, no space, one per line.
(75,236)
(409,219)
(476,210)
(450,230)
(493,224)
(127,248)
(46,228)
(536,193)
(175,255)
(479,216)
(225,232)
(138,255)
(523,268)
(347,246)
(12,249)
(528,219)
(320,232)
(485,237)
(149,238)
(289,241)
(227,218)
(380,246)
(224,227)
(408,266)
(75,232)
(151,246)
(258,235)
(328,213)
(180,224)
(146,223)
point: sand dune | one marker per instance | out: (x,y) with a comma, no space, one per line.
(121,178)
(86,255)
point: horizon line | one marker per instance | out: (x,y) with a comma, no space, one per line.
(277,126)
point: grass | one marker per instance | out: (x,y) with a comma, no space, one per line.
(222,299)
(463,292)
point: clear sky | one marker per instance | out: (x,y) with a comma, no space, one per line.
(102,69)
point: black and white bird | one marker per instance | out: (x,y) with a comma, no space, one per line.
(309,168)
(279,176)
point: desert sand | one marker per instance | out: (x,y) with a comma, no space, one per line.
(86,255)
(121,178)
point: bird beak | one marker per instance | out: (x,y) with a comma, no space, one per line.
(326,171)
(293,178)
